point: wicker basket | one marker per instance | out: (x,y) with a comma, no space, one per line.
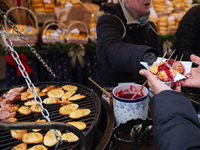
(30,37)
(52,39)
(47,22)
(77,40)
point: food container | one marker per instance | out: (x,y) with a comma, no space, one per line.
(187,67)
(77,33)
(30,32)
(126,108)
(108,98)
(51,35)
(135,134)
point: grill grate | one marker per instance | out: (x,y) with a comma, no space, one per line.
(91,102)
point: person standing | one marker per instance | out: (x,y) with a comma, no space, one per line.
(188,34)
(125,37)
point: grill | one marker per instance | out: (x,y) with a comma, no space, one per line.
(91,101)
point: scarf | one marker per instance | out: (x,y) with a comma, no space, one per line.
(130,18)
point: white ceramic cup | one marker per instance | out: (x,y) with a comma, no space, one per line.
(127,109)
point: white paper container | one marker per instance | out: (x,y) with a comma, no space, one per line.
(186,64)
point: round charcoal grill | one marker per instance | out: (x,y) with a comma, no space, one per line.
(91,101)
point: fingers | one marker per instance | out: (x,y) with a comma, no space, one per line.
(178,86)
(147,74)
(195,59)
(156,85)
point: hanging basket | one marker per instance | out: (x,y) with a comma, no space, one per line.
(52,35)
(29,32)
(81,37)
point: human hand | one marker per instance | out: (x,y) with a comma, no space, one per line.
(194,79)
(156,85)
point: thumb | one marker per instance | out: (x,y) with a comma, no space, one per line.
(147,74)
(195,59)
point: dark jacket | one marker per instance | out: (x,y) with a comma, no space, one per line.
(175,122)
(188,34)
(119,58)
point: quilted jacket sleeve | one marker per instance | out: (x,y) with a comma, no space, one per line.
(175,121)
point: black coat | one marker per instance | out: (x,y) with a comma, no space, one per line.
(188,34)
(175,122)
(119,58)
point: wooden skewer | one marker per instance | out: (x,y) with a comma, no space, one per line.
(175,60)
(163,56)
(180,61)
(181,57)
(146,80)
(107,93)
(139,90)
(171,54)
(175,57)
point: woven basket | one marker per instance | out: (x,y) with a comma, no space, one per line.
(47,22)
(77,40)
(51,39)
(14,37)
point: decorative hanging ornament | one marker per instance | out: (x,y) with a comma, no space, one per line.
(77,52)
(23,59)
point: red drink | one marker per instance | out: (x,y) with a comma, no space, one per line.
(129,96)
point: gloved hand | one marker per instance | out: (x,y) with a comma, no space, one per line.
(149,58)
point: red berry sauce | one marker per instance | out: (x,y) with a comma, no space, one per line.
(163,67)
(170,62)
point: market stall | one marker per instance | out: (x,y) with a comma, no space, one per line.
(60,58)
(52,43)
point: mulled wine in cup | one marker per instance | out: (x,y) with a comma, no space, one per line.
(126,108)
